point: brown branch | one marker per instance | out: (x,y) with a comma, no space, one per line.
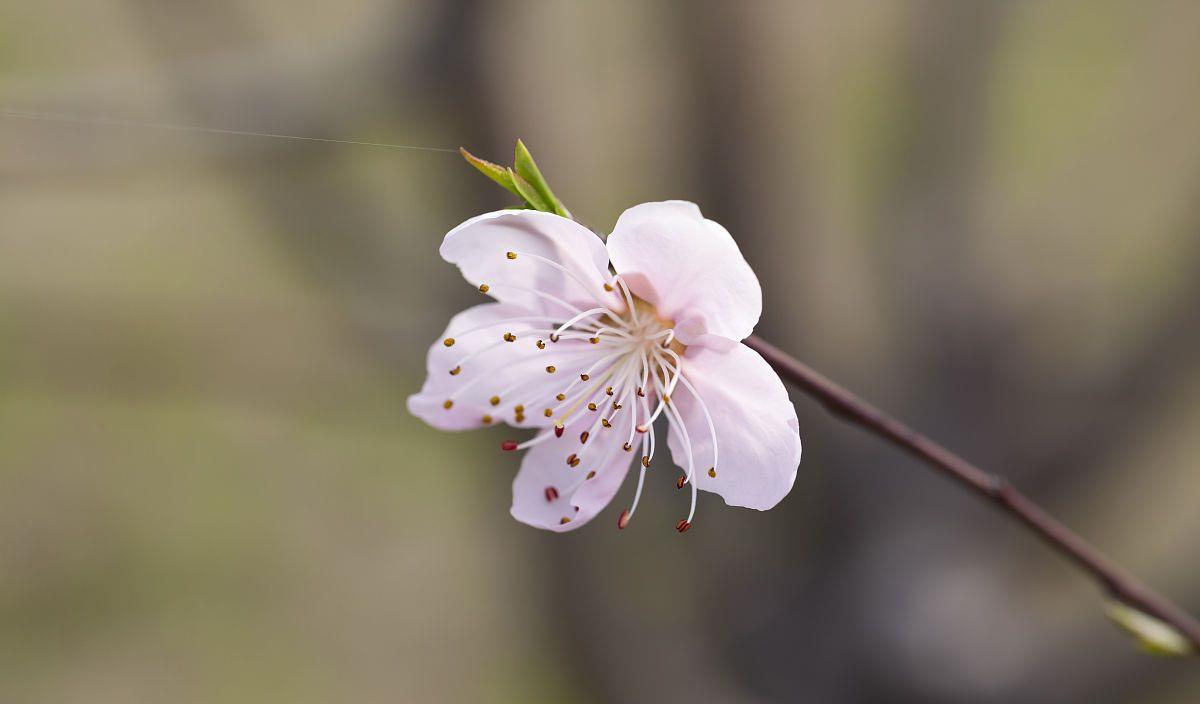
(1115,581)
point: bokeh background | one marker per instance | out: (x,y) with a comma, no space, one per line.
(983,216)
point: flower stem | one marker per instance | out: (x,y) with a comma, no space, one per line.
(1118,583)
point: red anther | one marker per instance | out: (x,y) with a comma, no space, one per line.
(558,431)
(622,520)
(682,480)
(508,445)
(551,493)
(683,526)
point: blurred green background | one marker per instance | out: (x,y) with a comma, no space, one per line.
(984,216)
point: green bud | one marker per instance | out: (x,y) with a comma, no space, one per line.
(1153,635)
(523,180)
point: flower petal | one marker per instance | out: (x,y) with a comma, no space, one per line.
(689,268)
(758,439)
(548,489)
(490,367)
(542,243)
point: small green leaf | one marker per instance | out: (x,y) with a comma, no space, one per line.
(1153,635)
(527,169)
(496,172)
(529,193)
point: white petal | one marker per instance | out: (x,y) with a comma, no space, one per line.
(689,268)
(545,467)
(758,439)
(515,371)
(479,247)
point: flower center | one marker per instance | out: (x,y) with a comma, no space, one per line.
(621,365)
(648,332)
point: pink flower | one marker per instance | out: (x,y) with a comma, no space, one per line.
(594,361)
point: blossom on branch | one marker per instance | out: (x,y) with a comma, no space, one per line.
(593,346)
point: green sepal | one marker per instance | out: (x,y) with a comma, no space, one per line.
(527,169)
(496,172)
(528,192)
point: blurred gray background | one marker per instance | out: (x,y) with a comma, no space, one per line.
(983,216)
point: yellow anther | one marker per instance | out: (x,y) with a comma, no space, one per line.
(605,423)
(541,345)
(487,420)
(645,460)
(609,391)
(583,437)
(594,340)
(509,337)
(550,369)
(584,377)
(548,412)
(591,474)
(448,404)
(572,457)
(519,408)
(449,342)
(455,371)
(574,462)
(627,447)
(712,472)
(561,397)
(608,287)
(483,288)
(511,255)
(495,400)
(564,521)
(591,406)
(616,406)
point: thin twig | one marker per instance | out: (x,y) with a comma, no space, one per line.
(1118,583)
